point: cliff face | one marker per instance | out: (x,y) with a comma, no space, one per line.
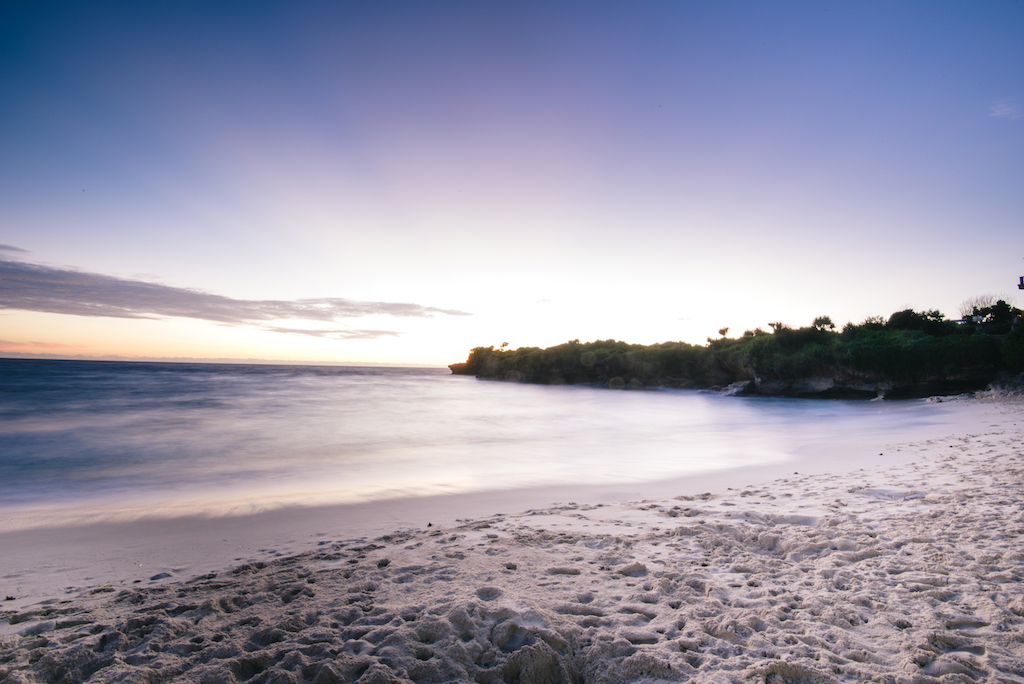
(808,388)
(459,369)
(831,388)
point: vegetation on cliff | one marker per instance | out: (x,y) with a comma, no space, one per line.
(911,353)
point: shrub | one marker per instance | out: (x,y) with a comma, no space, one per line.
(1012,351)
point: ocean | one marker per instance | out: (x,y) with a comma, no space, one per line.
(93,440)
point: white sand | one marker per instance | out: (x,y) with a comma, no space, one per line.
(900,567)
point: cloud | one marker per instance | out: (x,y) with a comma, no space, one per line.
(339,334)
(7,345)
(31,287)
(1004,109)
(8,248)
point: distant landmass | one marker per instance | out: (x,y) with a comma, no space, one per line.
(910,354)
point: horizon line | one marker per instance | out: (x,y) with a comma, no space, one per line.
(26,356)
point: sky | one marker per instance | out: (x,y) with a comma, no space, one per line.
(399,182)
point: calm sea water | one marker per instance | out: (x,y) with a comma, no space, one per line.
(124,439)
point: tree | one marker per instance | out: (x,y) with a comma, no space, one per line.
(723,331)
(929,322)
(824,323)
(997,319)
(970,306)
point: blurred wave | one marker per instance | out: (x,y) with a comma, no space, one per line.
(86,440)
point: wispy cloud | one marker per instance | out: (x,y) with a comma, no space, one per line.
(9,248)
(32,287)
(1005,109)
(6,345)
(339,334)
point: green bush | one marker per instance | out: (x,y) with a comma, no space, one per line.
(907,347)
(1012,351)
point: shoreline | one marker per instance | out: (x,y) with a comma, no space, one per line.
(905,566)
(51,562)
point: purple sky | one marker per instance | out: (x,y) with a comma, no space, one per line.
(644,171)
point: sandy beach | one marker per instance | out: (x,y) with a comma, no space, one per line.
(899,565)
